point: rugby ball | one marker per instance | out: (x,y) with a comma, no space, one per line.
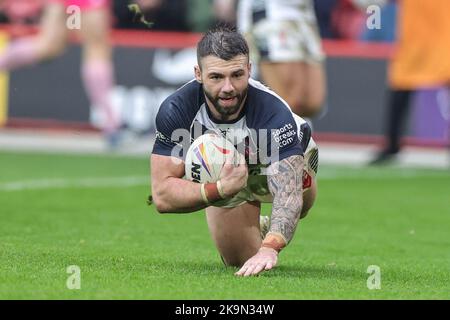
(206,157)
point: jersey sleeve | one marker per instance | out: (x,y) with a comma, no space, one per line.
(286,136)
(170,130)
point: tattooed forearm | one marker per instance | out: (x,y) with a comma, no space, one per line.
(286,187)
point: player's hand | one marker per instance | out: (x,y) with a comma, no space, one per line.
(265,259)
(233,177)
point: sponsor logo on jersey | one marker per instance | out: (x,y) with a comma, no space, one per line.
(163,138)
(284,136)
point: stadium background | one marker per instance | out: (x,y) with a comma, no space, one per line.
(66,201)
(151,65)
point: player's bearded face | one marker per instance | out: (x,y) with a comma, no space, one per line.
(227,103)
(225,83)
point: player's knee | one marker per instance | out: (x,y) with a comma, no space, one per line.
(311,110)
(304,213)
(308,104)
(308,107)
(238,256)
(233,262)
(305,210)
(309,197)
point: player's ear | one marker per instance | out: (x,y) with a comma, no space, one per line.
(249,69)
(198,73)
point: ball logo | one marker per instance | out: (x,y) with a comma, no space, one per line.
(222,150)
(195,172)
(201,156)
(206,157)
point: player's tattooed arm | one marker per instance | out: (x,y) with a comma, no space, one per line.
(285,184)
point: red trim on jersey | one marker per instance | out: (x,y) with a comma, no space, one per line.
(307,180)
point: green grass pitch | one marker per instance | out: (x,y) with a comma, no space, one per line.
(90,211)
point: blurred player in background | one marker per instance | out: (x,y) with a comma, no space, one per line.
(97,66)
(225,100)
(421,60)
(285,37)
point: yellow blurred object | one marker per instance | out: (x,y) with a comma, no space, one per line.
(422,56)
(4,83)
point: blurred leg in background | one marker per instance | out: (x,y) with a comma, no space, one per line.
(98,70)
(97,65)
(300,84)
(420,61)
(397,114)
(288,45)
(49,43)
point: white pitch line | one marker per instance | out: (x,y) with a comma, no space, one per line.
(132,181)
(110,182)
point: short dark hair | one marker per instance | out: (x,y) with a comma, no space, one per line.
(222,42)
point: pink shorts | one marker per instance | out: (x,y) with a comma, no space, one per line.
(83,4)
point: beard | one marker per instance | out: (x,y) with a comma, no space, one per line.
(227,111)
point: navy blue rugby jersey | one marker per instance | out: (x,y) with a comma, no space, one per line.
(266,129)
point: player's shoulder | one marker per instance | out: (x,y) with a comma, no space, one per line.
(182,104)
(266,108)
